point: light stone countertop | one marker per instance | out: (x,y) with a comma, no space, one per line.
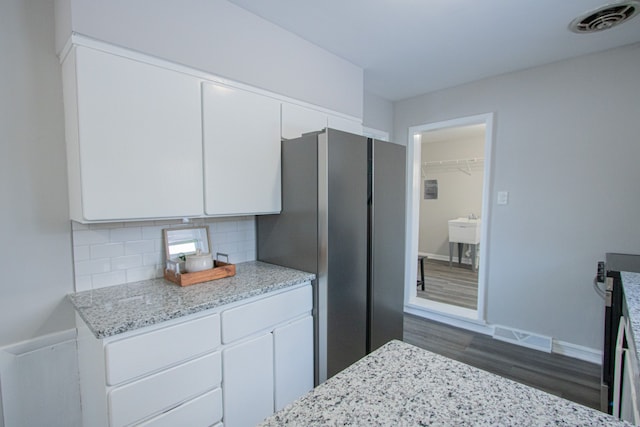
(403,385)
(631,287)
(123,308)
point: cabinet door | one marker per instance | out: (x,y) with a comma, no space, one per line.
(293,349)
(297,120)
(241,151)
(140,139)
(247,376)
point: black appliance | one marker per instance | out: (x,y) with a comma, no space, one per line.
(609,274)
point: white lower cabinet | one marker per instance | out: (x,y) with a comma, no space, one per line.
(182,372)
(248,381)
(293,373)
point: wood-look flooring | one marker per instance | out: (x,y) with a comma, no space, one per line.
(455,285)
(563,376)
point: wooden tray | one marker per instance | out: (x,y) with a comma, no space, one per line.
(219,271)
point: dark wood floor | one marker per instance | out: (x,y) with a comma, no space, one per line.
(560,375)
(455,285)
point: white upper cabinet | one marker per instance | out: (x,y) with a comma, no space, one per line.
(241,151)
(134,138)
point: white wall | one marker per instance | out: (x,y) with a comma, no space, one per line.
(35,255)
(566,148)
(378,113)
(39,383)
(221,38)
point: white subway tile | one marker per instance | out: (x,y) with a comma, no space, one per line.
(139,247)
(107,250)
(224,226)
(143,273)
(90,237)
(138,224)
(83,283)
(152,232)
(81,253)
(93,266)
(158,245)
(125,234)
(126,262)
(167,222)
(106,225)
(79,226)
(108,279)
(154,258)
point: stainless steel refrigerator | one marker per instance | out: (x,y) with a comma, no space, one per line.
(343,218)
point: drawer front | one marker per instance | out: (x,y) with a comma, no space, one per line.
(203,411)
(140,399)
(247,319)
(142,354)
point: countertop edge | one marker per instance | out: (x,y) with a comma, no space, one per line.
(97,308)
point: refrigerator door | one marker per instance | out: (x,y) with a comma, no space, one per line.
(344,158)
(290,239)
(387,243)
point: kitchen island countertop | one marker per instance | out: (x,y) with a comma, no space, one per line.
(631,287)
(123,308)
(403,385)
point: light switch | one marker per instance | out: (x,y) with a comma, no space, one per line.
(503,197)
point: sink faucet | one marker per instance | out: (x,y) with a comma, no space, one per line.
(473,216)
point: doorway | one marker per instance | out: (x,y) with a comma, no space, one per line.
(449,169)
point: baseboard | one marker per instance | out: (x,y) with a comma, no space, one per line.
(523,338)
(579,352)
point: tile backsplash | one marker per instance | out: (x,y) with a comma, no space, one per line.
(108,254)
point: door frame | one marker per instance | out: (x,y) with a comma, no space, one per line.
(419,306)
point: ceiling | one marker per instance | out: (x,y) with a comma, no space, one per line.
(411,47)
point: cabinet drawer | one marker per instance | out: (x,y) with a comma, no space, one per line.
(142,354)
(247,319)
(202,411)
(153,394)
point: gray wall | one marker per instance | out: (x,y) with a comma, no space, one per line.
(567,150)
(38,376)
(378,113)
(221,38)
(35,256)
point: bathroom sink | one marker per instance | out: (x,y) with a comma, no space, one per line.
(464,230)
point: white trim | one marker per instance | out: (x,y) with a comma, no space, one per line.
(414,307)
(413,204)
(77,39)
(576,351)
(38,343)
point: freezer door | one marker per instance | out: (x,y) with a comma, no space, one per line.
(345,247)
(290,239)
(387,243)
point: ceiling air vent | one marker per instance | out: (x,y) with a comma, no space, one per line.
(605,17)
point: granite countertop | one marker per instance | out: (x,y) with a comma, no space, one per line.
(403,385)
(631,287)
(122,308)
